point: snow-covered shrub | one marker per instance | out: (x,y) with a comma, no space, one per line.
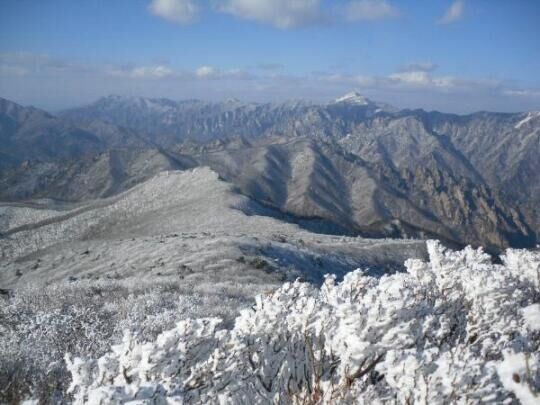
(455,329)
(38,325)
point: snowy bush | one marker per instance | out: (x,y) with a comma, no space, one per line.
(38,325)
(455,329)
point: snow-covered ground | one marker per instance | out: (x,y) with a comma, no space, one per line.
(175,221)
(181,245)
(456,329)
(14,215)
(192,274)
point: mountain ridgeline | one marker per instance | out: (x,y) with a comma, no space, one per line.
(370,168)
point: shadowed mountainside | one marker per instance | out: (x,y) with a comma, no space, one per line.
(365,166)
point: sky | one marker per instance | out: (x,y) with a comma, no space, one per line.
(448,55)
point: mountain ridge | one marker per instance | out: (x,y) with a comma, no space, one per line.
(464,178)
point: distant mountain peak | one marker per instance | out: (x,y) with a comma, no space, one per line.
(111,98)
(353,97)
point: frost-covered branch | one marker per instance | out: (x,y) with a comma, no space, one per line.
(456,328)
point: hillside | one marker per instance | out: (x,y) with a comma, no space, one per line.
(181,244)
(365,166)
(173,222)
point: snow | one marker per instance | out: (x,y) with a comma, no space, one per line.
(530,116)
(13,216)
(531,315)
(448,330)
(353,98)
(200,283)
(513,372)
(181,218)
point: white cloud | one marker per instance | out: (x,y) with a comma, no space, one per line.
(414,76)
(179,11)
(138,72)
(370,10)
(279,13)
(522,93)
(25,63)
(211,72)
(454,12)
(414,80)
(423,79)
(41,79)
(151,72)
(205,71)
(160,72)
(419,67)
(283,14)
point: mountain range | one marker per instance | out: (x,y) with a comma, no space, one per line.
(370,169)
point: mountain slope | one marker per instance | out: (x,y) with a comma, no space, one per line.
(174,222)
(505,149)
(89,177)
(168,122)
(365,166)
(29,133)
(366,191)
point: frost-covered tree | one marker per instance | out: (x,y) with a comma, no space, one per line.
(457,328)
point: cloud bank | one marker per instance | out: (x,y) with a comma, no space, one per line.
(55,83)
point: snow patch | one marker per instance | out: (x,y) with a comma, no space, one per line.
(527,118)
(514,372)
(531,315)
(353,98)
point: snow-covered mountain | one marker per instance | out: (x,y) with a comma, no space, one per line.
(192,212)
(177,251)
(183,244)
(354,98)
(367,167)
(182,290)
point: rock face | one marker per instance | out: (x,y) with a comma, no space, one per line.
(365,166)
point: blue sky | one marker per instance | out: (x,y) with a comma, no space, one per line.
(450,55)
